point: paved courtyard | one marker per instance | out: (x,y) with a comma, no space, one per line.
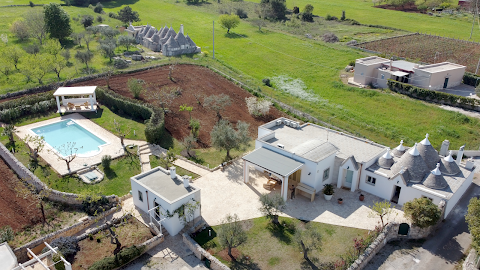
(225,192)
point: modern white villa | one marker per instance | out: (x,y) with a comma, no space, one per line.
(157,191)
(377,71)
(309,156)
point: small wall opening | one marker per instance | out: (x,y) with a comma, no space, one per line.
(403,229)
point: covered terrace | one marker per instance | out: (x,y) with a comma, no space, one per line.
(279,166)
(81,98)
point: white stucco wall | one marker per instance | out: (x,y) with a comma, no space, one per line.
(458,195)
(382,83)
(365,74)
(435,80)
(324,164)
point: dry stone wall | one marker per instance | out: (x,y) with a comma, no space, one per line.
(202,254)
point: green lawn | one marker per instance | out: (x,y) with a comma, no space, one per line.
(154,162)
(271,247)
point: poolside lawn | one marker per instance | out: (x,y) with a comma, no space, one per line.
(116,181)
(154,162)
(271,247)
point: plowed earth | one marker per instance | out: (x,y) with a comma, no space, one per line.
(194,81)
(16,210)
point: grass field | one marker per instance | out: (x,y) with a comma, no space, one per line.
(271,247)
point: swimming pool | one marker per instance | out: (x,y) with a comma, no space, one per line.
(65,131)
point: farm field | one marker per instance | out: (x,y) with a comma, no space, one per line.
(428,49)
(193,81)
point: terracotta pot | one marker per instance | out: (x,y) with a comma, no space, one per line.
(362,197)
(340,201)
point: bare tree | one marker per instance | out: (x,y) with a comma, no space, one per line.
(171,68)
(217,103)
(35,21)
(35,145)
(108,72)
(163,98)
(382,210)
(87,37)
(259,23)
(68,152)
(121,132)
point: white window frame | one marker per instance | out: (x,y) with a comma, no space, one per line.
(373,180)
(327,170)
(140,196)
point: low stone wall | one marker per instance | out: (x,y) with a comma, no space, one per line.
(21,252)
(471,262)
(202,254)
(31,179)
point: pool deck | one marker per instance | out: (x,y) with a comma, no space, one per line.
(112,148)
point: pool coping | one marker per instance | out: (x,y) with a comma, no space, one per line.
(113,147)
(51,148)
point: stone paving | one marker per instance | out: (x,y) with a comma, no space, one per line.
(191,167)
(225,192)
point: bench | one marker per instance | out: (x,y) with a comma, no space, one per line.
(306,189)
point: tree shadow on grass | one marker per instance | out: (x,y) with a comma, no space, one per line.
(109,173)
(92,115)
(232,35)
(282,233)
(243,264)
(315,264)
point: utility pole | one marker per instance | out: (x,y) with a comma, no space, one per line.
(213,31)
(473,20)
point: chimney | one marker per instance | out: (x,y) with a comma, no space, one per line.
(460,154)
(391,62)
(186,181)
(173,172)
(444,148)
(181,29)
(469,164)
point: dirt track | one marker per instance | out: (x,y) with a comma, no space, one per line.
(15,211)
(192,80)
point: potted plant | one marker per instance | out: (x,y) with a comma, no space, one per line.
(328,191)
(340,200)
(361,197)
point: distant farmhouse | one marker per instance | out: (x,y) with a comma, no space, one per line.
(164,40)
(376,70)
(309,156)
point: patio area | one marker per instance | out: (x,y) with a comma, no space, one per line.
(225,192)
(112,147)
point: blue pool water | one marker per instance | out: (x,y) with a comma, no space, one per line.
(65,131)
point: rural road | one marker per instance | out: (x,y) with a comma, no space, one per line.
(441,251)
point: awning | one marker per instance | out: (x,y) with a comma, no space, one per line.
(274,162)
(75,91)
(399,73)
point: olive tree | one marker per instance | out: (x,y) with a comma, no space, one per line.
(84,57)
(126,41)
(35,145)
(422,212)
(382,210)
(217,103)
(271,206)
(231,233)
(308,239)
(224,136)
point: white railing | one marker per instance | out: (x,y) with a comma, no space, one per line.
(152,213)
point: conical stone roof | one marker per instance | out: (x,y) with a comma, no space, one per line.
(414,163)
(171,43)
(163,32)
(399,150)
(386,160)
(435,179)
(449,166)
(181,40)
(190,41)
(428,153)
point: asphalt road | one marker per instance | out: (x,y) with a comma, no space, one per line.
(440,252)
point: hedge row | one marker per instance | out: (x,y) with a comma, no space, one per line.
(123,257)
(26,100)
(154,119)
(14,113)
(471,79)
(434,96)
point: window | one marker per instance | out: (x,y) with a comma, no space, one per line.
(326,174)
(140,196)
(383,76)
(371,180)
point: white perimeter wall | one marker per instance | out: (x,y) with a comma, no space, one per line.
(365,74)
(458,195)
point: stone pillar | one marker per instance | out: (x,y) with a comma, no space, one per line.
(444,148)
(246,171)
(58,104)
(460,154)
(91,103)
(285,188)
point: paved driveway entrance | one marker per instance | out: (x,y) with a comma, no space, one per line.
(225,192)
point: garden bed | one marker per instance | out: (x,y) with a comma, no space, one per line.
(193,80)
(132,232)
(271,247)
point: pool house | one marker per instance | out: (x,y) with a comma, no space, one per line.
(81,98)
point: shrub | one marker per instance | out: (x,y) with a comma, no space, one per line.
(59,265)
(112,15)
(155,128)
(98,8)
(296,10)
(87,20)
(343,15)
(331,18)
(308,8)
(330,38)
(241,13)
(14,109)
(120,63)
(471,79)
(266,81)
(128,106)
(258,107)
(135,87)
(307,17)
(106,161)
(99,19)
(6,234)
(422,212)
(31,4)
(95,207)
(20,30)
(66,245)
(124,256)
(294,87)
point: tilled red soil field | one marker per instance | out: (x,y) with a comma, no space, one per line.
(193,80)
(16,211)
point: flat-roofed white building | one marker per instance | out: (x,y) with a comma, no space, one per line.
(311,155)
(162,194)
(377,71)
